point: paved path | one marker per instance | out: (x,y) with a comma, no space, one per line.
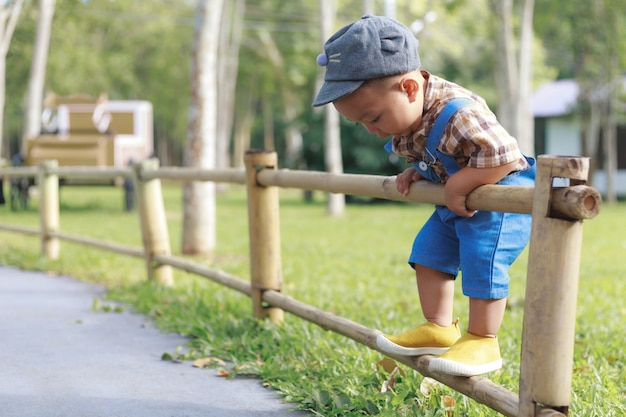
(60,358)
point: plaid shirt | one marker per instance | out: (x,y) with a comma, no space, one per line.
(473,136)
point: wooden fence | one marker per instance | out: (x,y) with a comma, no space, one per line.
(552,281)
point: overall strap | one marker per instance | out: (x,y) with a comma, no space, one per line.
(436,133)
(434,137)
(439,126)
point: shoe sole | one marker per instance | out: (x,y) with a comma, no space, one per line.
(388,346)
(445,366)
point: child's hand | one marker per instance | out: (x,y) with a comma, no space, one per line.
(462,183)
(456,202)
(404,180)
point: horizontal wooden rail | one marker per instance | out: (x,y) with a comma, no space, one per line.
(20,229)
(78,172)
(214,275)
(230,175)
(236,176)
(111,247)
(576,202)
(29,172)
(92,173)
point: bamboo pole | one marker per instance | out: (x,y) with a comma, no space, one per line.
(215,275)
(111,247)
(154,231)
(551,291)
(227,175)
(20,229)
(49,208)
(576,202)
(29,172)
(264,230)
(579,202)
(93,173)
(236,176)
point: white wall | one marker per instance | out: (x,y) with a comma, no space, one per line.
(599,182)
(563,138)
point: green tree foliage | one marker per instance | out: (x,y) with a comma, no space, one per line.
(141,50)
(293,29)
(580,35)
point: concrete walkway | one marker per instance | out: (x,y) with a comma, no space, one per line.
(60,358)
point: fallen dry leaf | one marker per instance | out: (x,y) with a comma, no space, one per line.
(390,366)
(208,361)
(448,403)
(391,381)
(222,373)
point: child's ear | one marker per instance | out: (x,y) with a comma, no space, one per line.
(410,86)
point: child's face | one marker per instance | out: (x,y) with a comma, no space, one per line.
(386,108)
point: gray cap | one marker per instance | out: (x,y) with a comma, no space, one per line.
(369,48)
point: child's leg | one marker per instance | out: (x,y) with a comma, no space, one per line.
(485,316)
(436,293)
(435,258)
(478,351)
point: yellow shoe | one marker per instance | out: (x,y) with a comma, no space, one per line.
(470,355)
(425,339)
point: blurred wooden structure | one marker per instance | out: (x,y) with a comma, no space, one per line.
(79,130)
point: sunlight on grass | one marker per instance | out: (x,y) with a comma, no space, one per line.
(354,266)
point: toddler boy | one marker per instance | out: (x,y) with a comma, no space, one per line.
(448,133)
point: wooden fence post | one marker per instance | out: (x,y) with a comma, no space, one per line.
(551,292)
(264,230)
(48,182)
(151,210)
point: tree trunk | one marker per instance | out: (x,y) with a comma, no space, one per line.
(8,20)
(368,7)
(525,121)
(590,126)
(230,40)
(199,197)
(613,79)
(334,165)
(268,124)
(506,70)
(293,135)
(34,96)
(514,72)
(610,143)
(332,140)
(243,129)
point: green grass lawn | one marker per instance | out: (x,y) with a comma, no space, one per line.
(354,266)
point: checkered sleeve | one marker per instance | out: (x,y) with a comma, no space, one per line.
(475,135)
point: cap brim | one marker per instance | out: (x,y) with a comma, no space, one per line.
(334,90)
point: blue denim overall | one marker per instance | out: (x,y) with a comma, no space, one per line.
(483,246)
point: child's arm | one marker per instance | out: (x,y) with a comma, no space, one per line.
(405,179)
(466,180)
